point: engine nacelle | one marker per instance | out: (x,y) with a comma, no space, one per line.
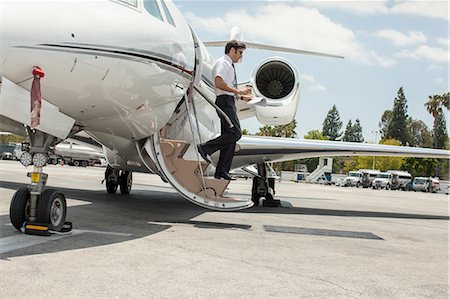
(277,81)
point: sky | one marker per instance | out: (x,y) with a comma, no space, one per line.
(386,45)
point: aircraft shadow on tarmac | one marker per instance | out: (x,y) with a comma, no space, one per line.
(143,213)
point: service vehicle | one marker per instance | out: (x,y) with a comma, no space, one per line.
(399,179)
(382,180)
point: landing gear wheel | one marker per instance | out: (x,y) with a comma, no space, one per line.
(126,181)
(20,207)
(111,186)
(111,179)
(52,209)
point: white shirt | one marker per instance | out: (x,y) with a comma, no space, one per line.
(224,69)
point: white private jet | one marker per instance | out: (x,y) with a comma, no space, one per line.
(134,76)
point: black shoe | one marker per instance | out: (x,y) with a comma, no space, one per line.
(224,176)
(202,153)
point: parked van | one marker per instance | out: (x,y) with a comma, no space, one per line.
(399,179)
(426,184)
(367,177)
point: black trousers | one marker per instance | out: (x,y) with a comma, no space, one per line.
(228,137)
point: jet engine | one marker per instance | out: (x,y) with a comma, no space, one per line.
(276,80)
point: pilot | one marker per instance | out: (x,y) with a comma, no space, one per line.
(227,93)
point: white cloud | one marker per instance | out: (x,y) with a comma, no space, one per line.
(439,81)
(433,9)
(435,68)
(427,53)
(315,86)
(318,87)
(402,39)
(315,32)
(433,54)
(309,78)
(443,41)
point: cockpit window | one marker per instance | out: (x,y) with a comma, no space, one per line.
(152,7)
(167,12)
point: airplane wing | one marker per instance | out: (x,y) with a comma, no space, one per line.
(272,48)
(261,149)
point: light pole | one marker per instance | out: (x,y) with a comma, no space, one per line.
(376,135)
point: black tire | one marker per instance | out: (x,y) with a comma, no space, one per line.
(111,186)
(84,163)
(52,209)
(19,208)
(76,163)
(126,181)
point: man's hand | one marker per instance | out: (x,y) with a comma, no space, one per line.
(244,91)
(246,98)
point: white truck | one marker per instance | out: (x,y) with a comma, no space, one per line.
(353,179)
(382,180)
(360,178)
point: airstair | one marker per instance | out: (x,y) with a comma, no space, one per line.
(174,151)
(325,166)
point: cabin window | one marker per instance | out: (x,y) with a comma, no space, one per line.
(152,7)
(167,12)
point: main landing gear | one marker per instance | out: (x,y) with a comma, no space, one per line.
(118,178)
(34,210)
(264,187)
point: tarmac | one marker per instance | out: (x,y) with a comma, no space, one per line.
(324,242)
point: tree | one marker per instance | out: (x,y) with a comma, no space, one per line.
(381,163)
(385,122)
(440,136)
(419,133)
(434,107)
(348,134)
(286,131)
(266,131)
(357,132)
(420,166)
(445,99)
(332,124)
(245,132)
(397,127)
(11,138)
(315,134)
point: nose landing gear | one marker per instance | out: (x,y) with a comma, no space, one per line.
(34,210)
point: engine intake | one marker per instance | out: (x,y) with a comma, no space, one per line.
(275,80)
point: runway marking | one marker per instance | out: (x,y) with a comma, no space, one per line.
(321,232)
(102,232)
(20,241)
(203,224)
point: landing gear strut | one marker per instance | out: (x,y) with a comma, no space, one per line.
(264,187)
(34,210)
(118,178)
